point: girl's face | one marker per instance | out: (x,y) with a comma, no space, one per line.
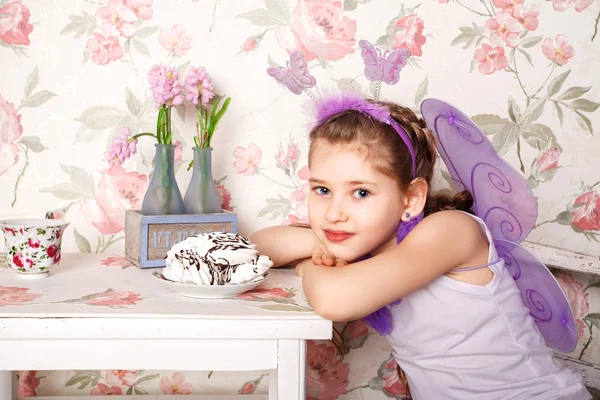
(353,209)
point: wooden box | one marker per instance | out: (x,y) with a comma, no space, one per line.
(149,237)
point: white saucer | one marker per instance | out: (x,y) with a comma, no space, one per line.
(209,291)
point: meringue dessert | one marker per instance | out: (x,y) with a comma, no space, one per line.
(215,258)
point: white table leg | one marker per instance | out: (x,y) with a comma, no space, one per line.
(8,386)
(273,385)
(291,370)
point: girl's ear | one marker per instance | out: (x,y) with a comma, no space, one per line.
(415,199)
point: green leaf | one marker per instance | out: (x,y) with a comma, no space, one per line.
(584,105)
(530,41)
(133,104)
(506,138)
(350,5)
(63,191)
(538,136)
(138,390)
(82,180)
(33,143)
(37,99)
(75,379)
(129,391)
(558,111)
(422,91)
(490,124)
(278,8)
(556,83)
(574,92)
(146,378)
(527,56)
(32,81)
(514,112)
(594,318)
(532,112)
(564,218)
(262,17)
(141,47)
(101,117)
(584,122)
(82,243)
(143,33)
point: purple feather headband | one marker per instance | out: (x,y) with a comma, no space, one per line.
(328,105)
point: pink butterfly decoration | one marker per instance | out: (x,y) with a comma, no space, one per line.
(383,68)
(296,76)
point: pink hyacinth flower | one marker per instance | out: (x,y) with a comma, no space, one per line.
(122,147)
(198,85)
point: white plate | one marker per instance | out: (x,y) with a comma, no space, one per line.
(209,291)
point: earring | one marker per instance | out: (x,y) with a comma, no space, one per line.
(407,215)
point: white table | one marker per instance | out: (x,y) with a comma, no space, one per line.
(65,321)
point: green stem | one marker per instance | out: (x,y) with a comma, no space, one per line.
(26,149)
(547,222)
(169,132)
(514,71)
(585,346)
(110,242)
(519,155)
(144,134)
(595,184)
(543,84)
(358,387)
(596,27)
(476,12)
(258,171)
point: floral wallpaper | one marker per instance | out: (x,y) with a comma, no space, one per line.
(76,77)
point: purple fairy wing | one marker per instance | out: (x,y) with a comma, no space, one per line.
(286,78)
(504,201)
(299,70)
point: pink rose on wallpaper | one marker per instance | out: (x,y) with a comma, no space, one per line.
(118,190)
(577,298)
(558,50)
(15,296)
(116,262)
(503,29)
(104,390)
(113,299)
(141,8)
(10,130)
(392,386)
(247,160)
(175,40)
(264,294)
(28,382)
(318,29)
(121,377)
(490,59)
(409,34)
(527,16)
(326,377)
(586,211)
(178,151)
(103,49)
(250,44)
(355,333)
(175,385)
(298,200)
(14,23)
(546,162)
(507,5)
(561,5)
(116,19)
(225,196)
(248,388)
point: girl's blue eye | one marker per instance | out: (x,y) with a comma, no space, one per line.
(322,191)
(361,193)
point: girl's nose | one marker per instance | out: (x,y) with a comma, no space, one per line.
(336,212)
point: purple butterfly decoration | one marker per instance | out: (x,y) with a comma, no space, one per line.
(383,67)
(296,76)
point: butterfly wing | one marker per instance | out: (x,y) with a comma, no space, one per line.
(393,63)
(299,70)
(542,295)
(505,202)
(373,61)
(285,77)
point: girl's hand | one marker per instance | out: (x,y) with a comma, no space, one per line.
(321,256)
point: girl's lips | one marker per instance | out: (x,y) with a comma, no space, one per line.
(337,236)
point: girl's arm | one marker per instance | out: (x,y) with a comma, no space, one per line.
(285,245)
(440,243)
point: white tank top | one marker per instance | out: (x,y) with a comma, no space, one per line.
(456,340)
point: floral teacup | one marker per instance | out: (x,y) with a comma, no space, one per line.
(33,246)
